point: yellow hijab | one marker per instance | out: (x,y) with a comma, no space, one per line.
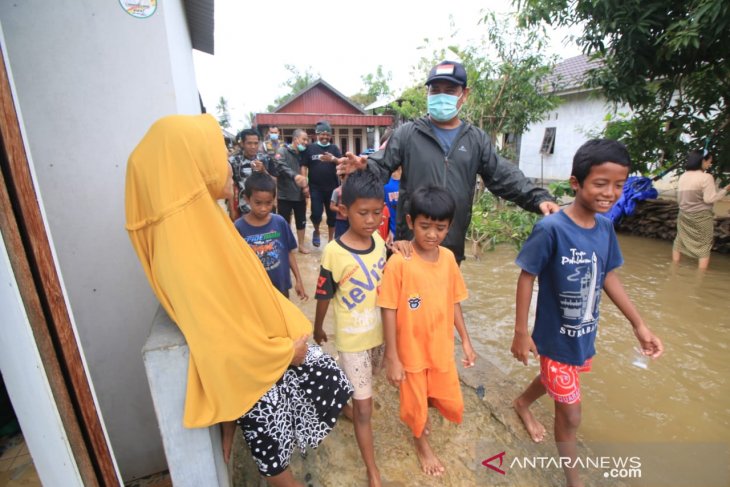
(239,328)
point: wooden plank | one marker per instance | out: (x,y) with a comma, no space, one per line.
(23,230)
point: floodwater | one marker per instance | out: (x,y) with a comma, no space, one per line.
(684,396)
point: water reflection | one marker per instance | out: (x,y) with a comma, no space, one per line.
(682,397)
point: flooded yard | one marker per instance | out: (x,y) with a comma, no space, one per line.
(676,411)
(684,396)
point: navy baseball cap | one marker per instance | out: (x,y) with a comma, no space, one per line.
(448,71)
(323,126)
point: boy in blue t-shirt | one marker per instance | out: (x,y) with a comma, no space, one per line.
(573,254)
(269,235)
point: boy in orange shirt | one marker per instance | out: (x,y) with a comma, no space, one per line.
(420,304)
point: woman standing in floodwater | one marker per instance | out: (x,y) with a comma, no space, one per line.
(696,195)
(249,358)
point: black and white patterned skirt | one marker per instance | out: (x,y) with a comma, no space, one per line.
(299,410)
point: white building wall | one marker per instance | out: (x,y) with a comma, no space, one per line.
(90,79)
(576,119)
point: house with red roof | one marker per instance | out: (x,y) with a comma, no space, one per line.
(353,128)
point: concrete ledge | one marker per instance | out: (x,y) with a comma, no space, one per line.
(194,456)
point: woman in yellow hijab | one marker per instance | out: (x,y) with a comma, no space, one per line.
(249,360)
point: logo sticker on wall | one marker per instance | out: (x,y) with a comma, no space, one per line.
(141,9)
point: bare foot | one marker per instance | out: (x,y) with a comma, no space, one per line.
(534,428)
(228,428)
(430,464)
(374,478)
(302,250)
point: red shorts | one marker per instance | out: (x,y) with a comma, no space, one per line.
(561,380)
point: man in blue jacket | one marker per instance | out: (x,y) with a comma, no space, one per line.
(442,149)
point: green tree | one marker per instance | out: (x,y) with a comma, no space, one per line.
(505,74)
(507,90)
(377,85)
(667,59)
(296,82)
(224,116)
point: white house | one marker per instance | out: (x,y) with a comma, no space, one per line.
(80,84)
(547,148)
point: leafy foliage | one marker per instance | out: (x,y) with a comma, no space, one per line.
(505,85)
(506,94)
(667,59)
(224,115)
(376,86)
(296,83)
(411,104)
(560,189)
(496,221)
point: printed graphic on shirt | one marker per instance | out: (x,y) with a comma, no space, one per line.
(351,279)
(268,248)
(363,321)
(414,301)
(580,305)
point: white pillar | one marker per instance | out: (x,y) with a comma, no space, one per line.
(194,456)
(376,138)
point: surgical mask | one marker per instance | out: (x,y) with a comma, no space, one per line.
(301,148)
(442,107)
(322,144)
(274,136)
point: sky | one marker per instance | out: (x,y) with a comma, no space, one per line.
(340,41)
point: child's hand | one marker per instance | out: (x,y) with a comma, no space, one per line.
(320,336)
(395,374)
(303,296)
(300,350)
(651,345)
(522,345)
(469,355)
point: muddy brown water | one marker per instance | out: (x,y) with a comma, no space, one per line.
(684,396)
(679,400)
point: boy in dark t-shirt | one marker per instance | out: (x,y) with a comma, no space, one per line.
(573,254)
(269,235)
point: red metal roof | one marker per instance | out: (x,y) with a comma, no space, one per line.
(310,119)
(318,99)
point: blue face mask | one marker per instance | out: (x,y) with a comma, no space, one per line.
(274,136)
(301,148)
(323,145)
(442,107)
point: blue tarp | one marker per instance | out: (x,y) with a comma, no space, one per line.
(637,188)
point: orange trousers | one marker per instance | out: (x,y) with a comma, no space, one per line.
(434,388)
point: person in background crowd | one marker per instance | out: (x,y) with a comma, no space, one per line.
(320,165)
(292,187)
(272,142)
(245,161)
